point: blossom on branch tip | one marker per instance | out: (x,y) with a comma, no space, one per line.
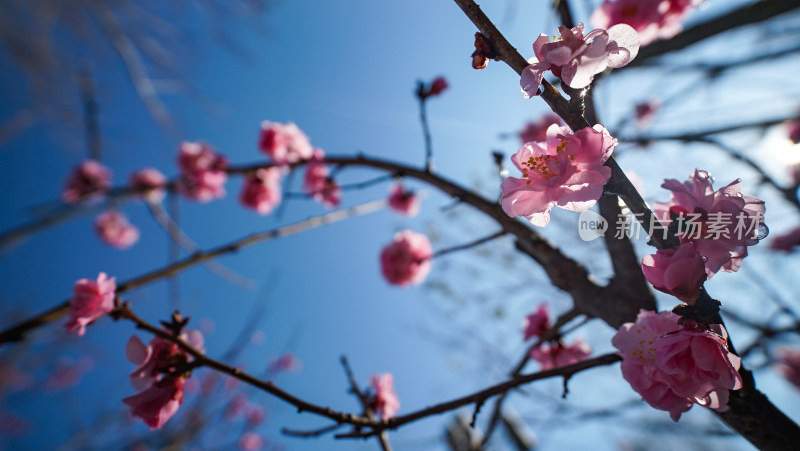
(284,143)
(203,173)
(385,402)
(435,88)
(149,183)
(262,190)
(567,170)
(679,272)
(652,19)
(673,367)
(557,355)
(407,259)
(403,202)
(721,224)
(536,131)
(91,299)
(536,323)
(89,179)
(114,229)
(576,58)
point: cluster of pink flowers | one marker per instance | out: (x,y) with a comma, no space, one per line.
(87,180)
(403,202)
(158,378)
(114,229)
(318,182)
(536,131)
(203,173)
(536,323)
(555,354)
(91,299)
(407,259)
(149,183)
(576,58)
(262,190)
(385,402)
(673,367)
(720,224)
(652,19)
(567,170)
(680,272)
(285,144)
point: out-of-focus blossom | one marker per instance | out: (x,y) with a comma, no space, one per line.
(88,179)
(255,415)
(652,19)
(203,173)
(787,241)
(90,300)
(158,403)
(557,355)
(235,407)
(407,259)
(435,88)
(536,323)
(284,143)
(403,202)
(721,224)
(262,190)
(318,182)
(788,364)
(67,372)
(250,441)
(536,131)
(285,363)
(149,183)
(384,401)
(679,272)
(576,58)
(793,130)
(645,112)
(567,170)
(114,229)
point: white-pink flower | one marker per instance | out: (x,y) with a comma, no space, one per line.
(203,173)
(407,259)
(557,355)
(576,58)
(679,272)
(114,229)
(262,190)
(403,202)
(91,299)
(566,171)
(87,180)
(284,143)
(652,19)
(385,401)
(149,183)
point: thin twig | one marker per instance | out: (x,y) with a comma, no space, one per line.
(469,245)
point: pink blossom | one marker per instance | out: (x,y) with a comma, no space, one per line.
(114,229)
(251,441)
(158,403)
(788,364)
(149,183)
(385,401)
(319,184)
(652,19)
(255,415)
(262,190)
(576,58)
(203,173)
(284,143)
(89,179)
(90,300)
(403,202)
(437,86)
(679,272)
(236,407)
(558,355)
(407,259)
(646,112)
(536,323)
(721,224)
(793,130)
(286,362)
(536,131)
(567,170)
(673,367)
(787,241)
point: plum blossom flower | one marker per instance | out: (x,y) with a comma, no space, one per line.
(721,224)
(576,58)
(673,367)
(536,323)
(89,179)
(566,171)
(407,259)
(250,441)
(536,131)
(384,401)
(557,355)
(318,182)
(91,299)
(262,190)
(788,364)
(287,362)
(114,229)
(437,86)
(679,272)
(284,143)
(652,19)
(787,241)
(403,202)
(157,376)
(203,173)
(149,183)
